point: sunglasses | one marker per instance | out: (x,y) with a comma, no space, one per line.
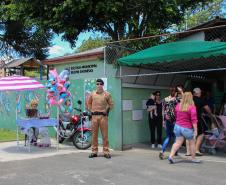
(99,84)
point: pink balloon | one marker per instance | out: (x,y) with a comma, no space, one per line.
(60,101)
(52,101)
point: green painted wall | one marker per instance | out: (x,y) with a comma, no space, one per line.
(122,129)
(8,106)
(8,110)
(115,118)
(77,90)
(113,86)
(95,69)
(136,131)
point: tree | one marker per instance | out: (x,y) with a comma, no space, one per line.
(201,14)
(21,38)
(120,19)
(92,43)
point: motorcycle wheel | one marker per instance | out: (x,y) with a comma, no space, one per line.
(82,143)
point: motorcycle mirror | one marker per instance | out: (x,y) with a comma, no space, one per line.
(79,102)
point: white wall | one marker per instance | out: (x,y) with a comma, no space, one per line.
(196,36)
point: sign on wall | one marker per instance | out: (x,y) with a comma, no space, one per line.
(127,105)
(137,115)
(87,68)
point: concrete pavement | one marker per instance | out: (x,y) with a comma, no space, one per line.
(10,152)
(138,166)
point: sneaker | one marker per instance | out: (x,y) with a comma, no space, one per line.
(92,155)
(195,161)
(161,156)
(107,156)
(159,146)
(170,160)
(153,146)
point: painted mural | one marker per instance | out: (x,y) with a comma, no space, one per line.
(5,103)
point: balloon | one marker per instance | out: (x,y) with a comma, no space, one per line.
(64,75)
(67,84)
(52,101)
(53,74)
(58,85)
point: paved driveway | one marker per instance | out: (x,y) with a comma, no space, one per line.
(10,152)
(139,166)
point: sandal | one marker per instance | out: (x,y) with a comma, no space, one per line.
(198,154)
(171,161)
(92,155)
(107,156)
(161,156)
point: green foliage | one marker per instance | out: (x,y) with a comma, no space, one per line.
(119,19)
(92,43)
(19,36)
(34,73)
(201,14)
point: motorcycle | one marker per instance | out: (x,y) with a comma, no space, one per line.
(75,129)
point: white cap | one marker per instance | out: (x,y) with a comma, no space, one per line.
(197,90)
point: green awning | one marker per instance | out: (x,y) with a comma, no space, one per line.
(178,52)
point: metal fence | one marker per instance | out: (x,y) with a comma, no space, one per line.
(159,78)
(116,50)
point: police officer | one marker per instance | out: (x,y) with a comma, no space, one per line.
(100,103)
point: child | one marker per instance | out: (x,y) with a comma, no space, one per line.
(32,112)
(151,106)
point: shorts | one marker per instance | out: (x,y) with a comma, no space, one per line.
(202,127)
(187,133)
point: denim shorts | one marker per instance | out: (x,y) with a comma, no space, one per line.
(187,133)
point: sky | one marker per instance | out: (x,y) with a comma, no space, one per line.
(59,47)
